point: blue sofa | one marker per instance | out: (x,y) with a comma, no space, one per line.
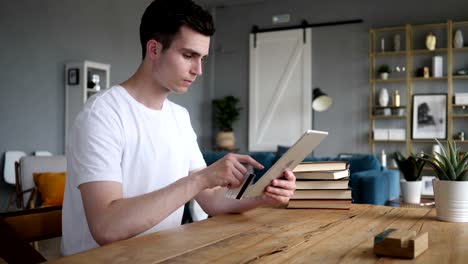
(370,183)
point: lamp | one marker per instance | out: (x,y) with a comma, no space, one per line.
(320,102)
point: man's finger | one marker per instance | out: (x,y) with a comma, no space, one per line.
(249,160)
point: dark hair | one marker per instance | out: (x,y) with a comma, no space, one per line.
(162,20)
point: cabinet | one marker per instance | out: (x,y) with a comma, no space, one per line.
(82,80)
(414,76)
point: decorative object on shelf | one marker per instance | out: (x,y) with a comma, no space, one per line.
(461,72)
(431,41)
(384,71)
(461,135)
(96,79)
(73,76)
(426,72)
(397,42)
(437,66)
(383,97)
(451,197)
(396,98)
(382,44)
(458,39)
(383,158)
(411,169)
(226,113)
(429,117)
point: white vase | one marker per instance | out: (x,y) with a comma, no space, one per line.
(451,199)
(411,191)
(383,97)
(458,39)
(384,75)
(431,41)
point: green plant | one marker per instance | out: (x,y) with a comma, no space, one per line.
(226,112)
(384,68)
(410,167)
(449,165)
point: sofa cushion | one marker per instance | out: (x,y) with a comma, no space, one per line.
(361,162)
(375,186)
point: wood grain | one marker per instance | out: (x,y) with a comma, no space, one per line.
(270,235)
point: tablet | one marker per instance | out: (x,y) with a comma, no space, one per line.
(296,154)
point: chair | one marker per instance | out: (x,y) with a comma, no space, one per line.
(24,175)
(11,157)
(19,228)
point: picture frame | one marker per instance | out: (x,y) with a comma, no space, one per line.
(73,76)
(427,190)
(429,116)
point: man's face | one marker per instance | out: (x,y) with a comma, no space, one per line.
(179,65)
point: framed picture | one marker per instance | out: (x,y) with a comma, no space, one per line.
(73,76)
(429,117)
(427,190)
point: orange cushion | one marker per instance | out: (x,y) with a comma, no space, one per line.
(51,186)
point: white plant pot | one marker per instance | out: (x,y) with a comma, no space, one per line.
(411,191)
(384,75)
(225,140)
(451,199)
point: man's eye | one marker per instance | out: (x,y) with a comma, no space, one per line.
(187,56)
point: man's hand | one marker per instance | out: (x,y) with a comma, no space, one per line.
(280,190)
(228,171)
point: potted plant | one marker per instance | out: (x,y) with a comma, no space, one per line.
(451,185)
(384,71)
(226,113)
(411,169)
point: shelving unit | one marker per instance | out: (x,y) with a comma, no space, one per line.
(412,56)
(79,88)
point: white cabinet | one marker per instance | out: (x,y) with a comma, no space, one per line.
(82,80)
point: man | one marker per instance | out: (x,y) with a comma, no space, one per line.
(133,158)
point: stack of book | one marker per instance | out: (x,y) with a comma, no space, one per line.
(322,184)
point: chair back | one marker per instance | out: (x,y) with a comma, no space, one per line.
(27,166)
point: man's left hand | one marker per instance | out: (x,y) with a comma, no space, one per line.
(280,190)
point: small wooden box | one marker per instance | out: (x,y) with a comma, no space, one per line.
(401,243)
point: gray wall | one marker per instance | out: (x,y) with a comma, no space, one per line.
(339,55)
(38,38)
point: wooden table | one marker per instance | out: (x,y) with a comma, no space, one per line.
(270,235)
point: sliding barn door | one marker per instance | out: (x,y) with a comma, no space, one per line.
(280,88)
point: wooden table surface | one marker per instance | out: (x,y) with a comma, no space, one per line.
(274,235)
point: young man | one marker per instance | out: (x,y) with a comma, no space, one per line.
(133,157)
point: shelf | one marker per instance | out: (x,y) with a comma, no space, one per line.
(90,90)
(426,51)
(461,141)
(388,141)
(389,80)
(460,77)
(460,115)
(464,49)
(389,117)
(389,53)
(427,140)
(429,79)
(461,106)
(391,107)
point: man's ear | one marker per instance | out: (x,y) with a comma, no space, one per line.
(153,48)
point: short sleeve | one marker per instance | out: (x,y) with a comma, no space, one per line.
(95,147)
(196,157)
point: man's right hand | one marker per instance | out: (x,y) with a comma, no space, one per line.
(228,171)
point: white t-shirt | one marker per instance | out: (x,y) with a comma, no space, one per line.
(116,138)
